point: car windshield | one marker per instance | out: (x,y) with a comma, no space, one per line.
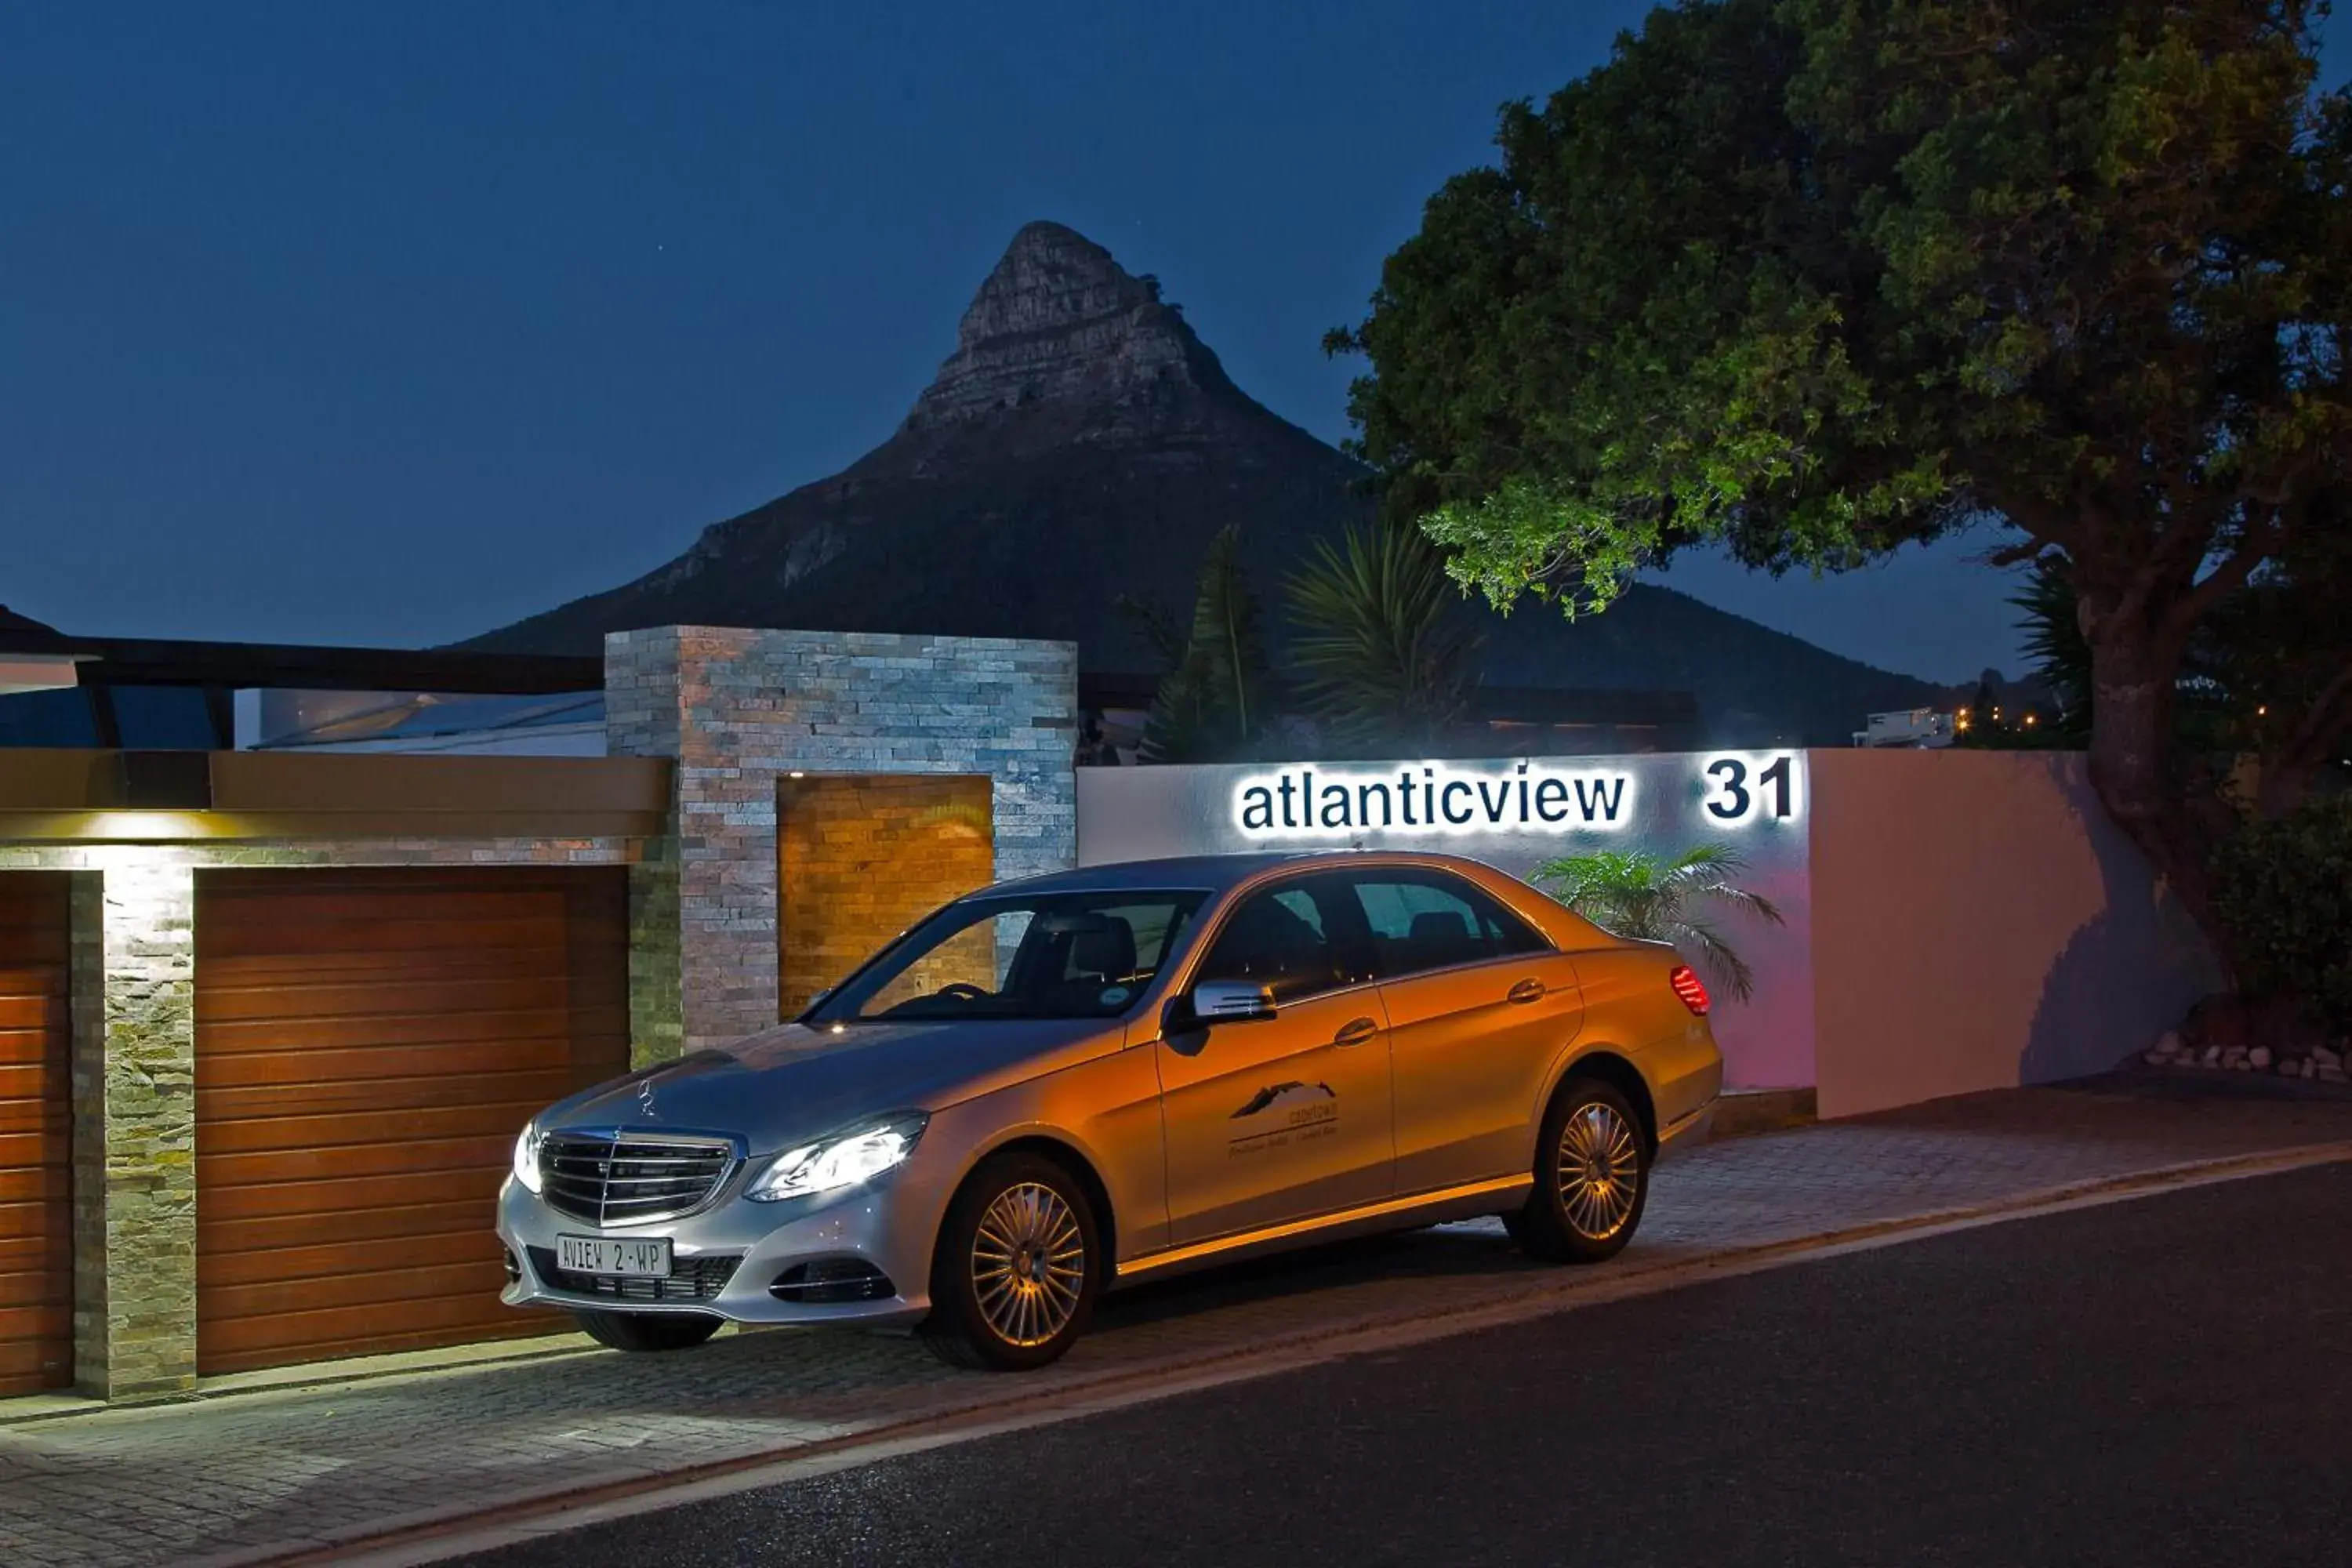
(1046,955)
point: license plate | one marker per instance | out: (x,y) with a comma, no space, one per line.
(636,1257)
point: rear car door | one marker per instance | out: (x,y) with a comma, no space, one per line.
(1479,1004)
(1280,1118)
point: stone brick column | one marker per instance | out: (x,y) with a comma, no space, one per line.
(657,1026)
(135,1059)
(739,710)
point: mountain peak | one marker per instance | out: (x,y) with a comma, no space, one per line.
(1061,336)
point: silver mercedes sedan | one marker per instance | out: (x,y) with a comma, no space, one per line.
(1062,1085)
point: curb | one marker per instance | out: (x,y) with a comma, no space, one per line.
(1328,1341)
(1743,1113)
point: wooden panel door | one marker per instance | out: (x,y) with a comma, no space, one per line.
(36,1135)
(368,1043)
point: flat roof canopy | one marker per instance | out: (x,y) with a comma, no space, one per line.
(97,796)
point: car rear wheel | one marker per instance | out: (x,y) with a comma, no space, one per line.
(1017,1269)
(647,1330)
(1592,1177)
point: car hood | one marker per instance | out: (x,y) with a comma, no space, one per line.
(788,1085)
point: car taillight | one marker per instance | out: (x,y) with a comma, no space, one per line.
(1687,986)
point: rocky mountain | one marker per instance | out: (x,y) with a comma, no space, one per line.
(1082,443)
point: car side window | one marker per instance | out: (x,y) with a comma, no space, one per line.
(1283,939)
(1426,920)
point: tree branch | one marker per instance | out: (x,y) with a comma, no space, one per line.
(2224,579)
(2322,721)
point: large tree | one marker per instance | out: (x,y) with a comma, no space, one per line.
(1820,279)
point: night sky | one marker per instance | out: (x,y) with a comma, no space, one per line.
(387,324)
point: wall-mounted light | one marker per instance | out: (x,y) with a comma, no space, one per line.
(163,781)
(145,827)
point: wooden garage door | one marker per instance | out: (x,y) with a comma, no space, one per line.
(368,1043)
(35,1136)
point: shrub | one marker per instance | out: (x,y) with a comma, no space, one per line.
(2283,890)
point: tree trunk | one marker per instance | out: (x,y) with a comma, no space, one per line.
(2138,775)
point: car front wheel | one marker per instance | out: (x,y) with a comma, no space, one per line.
(1592,1177)
(647,1330)
(1018,1265)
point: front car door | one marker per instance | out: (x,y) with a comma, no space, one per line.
(1479,1006)
(1286,1118)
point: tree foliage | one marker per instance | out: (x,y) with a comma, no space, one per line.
(1638,893)
(1214,703)
(1381,658)
(1817,279)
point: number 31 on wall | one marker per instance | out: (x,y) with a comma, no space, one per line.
(1743,788)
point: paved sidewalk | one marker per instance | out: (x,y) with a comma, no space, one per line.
(258,1474)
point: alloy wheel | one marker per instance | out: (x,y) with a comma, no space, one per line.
(1600,1171)
(1028,1264)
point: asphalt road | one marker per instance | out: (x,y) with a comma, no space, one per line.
(2167,1380)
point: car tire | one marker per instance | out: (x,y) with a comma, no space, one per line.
(1017,1268)
(647,1331)
(1592,1177)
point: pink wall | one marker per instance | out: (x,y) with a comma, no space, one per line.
(1978,922)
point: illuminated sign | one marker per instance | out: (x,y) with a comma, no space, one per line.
(1744,787)
(1312,800)
(1305,801)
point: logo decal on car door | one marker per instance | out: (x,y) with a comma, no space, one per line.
(1285,1114)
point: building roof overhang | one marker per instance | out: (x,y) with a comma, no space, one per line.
(100,796)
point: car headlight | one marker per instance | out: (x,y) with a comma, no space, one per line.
(526,1157)
(843,1160)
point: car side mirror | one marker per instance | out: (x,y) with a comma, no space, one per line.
(1230,1001)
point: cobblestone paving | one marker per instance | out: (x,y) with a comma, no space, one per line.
(255,1475)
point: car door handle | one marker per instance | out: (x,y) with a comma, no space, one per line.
(1355,1032)
(1525,991)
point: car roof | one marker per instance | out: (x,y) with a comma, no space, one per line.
(1212,873)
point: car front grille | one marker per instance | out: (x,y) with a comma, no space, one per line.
(691,1279)
(625,1178)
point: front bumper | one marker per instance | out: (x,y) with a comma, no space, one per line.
(885,1224)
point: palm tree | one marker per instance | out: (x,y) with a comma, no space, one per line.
(1381,661)
(1638,894)
(2060,654)
(1212,704)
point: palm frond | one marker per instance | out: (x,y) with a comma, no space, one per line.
(1226,635)
(1212,704)
(1749,901)
(1380,653)
(1159,628)
(1703,865)
(1637,893)
(2055,644)
(1717,956)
